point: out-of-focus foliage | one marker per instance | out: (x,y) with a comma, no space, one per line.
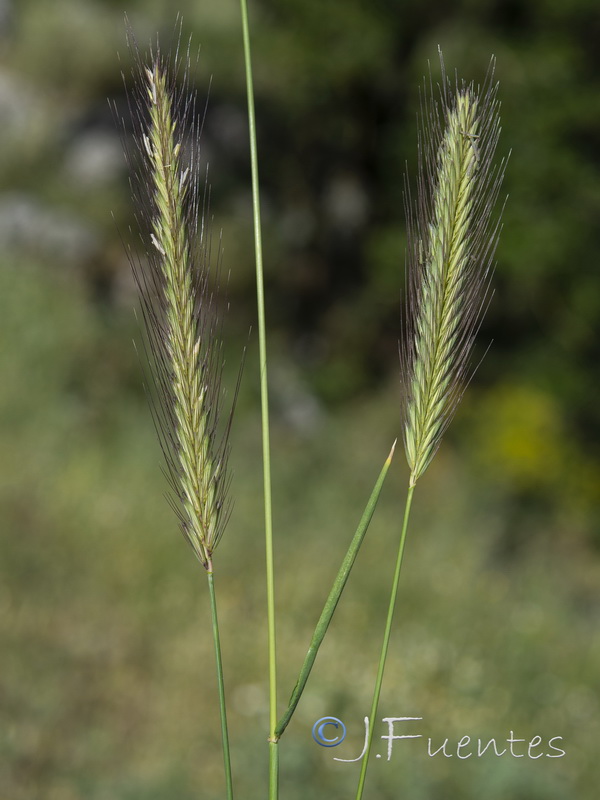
(98,600)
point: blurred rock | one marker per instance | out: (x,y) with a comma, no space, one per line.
(21,110)
(95,158)
(29,227)
(293,403)
(298,226)
(6,17)
(227,125)
(346,203)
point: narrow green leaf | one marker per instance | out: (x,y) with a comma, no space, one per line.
(334,596)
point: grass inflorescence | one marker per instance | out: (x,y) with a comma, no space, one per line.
(452,239)
(179,307)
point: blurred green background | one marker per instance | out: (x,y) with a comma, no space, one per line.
(106,681)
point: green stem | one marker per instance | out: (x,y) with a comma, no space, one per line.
(273,770)
(264,394)
(221,684)
(386,641)
(334,596)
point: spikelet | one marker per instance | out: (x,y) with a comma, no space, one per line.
(183,332)
(452,240)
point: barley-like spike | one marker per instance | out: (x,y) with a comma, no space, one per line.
(183,344)
(451,246)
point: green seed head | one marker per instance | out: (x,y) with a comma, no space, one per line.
(179,309)
(451,247)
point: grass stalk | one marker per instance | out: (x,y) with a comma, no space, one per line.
(264,394)
(221,685)
(451,248)
(385,645)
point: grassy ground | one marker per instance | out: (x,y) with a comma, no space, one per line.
(107,687)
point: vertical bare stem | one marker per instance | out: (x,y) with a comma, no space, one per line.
(385,645)
(264,393)
(221,685)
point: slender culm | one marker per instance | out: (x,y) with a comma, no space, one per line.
(452,240)
(451,246)
(265,423)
